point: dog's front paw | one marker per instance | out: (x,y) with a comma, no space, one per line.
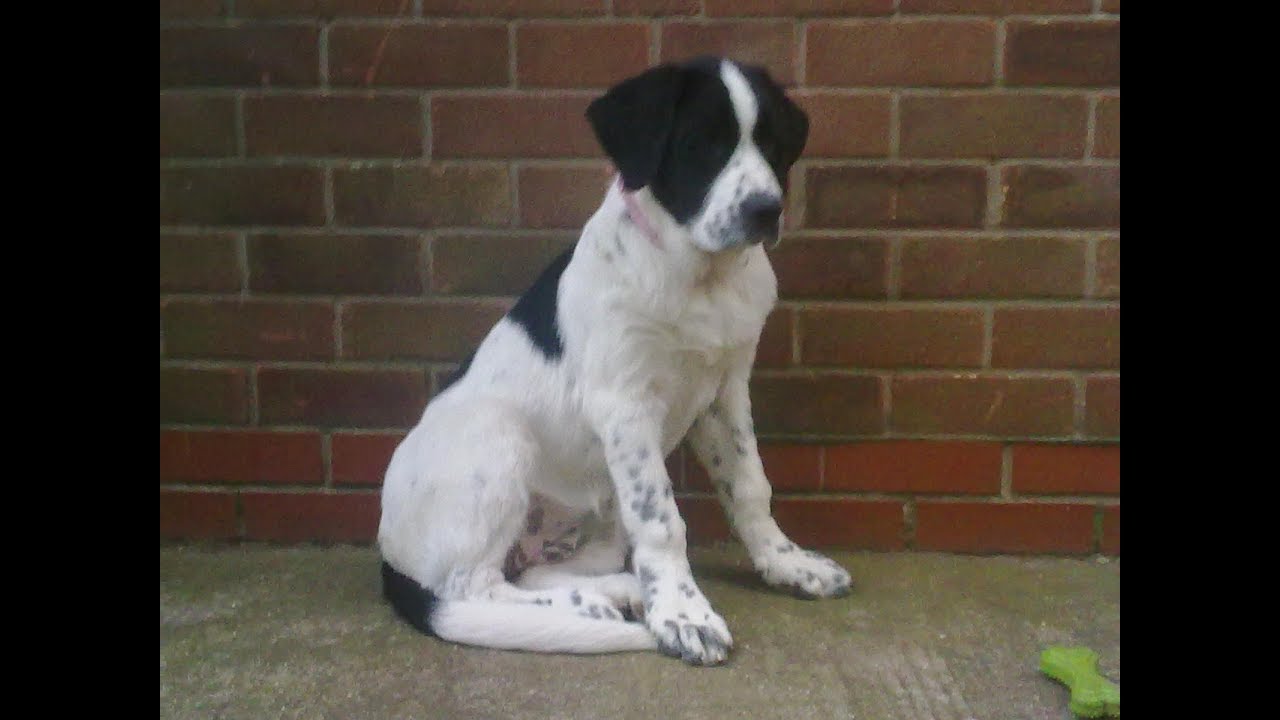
(686,627)
(807,573)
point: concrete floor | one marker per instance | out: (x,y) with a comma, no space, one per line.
(268,632)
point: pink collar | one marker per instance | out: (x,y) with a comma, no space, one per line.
(638,217)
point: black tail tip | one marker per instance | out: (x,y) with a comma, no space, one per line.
(410,600)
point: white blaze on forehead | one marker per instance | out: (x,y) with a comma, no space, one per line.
(745,107)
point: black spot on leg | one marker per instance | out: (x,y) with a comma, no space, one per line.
(643,454)
(638,487)
(666,492)
(786,548)
(663,518)
(575,597)
(594,611)
(634,471)
(715,461)
(647,576)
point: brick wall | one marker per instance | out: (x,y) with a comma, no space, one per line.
(352,191)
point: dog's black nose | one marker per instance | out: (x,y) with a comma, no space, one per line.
(760,214)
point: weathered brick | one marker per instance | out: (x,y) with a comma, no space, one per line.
(1068,197)
(570,55)
(480,126)
(491,264)
(561,196)
(321,9)
(197,125)
(942,267)
(907,53)
(204,396)
(1107,273)
(771,44)
(425,56)
(891,337)
(1111,515)
(416,331)
(513,8)
(243,55)
(244,457)
(341,398)
(797,8)
(817,404)
(1102,407)
(1069,53)
(774,348)
(311,517)
(914,466)
(1004,527)
(994,126)
(431,196)
(197,515)
(996,7)
(1056,338)
(190,9)
(249,329)
(895,196)
(328,126)
(789,468)
(838,522)
(241,196)
(199,263)
(1066,469)
(656,8)
(831,267)
(967,404)
(336,264)
(362,458)
(842,125)
(1106,130)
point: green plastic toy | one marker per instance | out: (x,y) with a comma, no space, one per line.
(1077,667)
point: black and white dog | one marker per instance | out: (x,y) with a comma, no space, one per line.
(509,510)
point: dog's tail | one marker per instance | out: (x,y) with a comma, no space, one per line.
(509,626)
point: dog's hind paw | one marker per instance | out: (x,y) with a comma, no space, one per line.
(808,574)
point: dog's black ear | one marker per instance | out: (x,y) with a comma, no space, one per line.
(793,130)
(787,125)
(633,120)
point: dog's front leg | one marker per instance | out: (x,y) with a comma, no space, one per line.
(724,440)
(676,611)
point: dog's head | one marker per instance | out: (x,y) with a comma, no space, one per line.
(712,140)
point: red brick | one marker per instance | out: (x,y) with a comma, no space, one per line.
(570,55)
(895,196)
(243,55)
(996,7)
(203,396)
(341,398)
(1102,407)
(336,264)
(190,9)
(513,8)
(1066,469)
(426,56)
(1111,516)
(774,348)
(561,196)
(837,522)
(480,126)
(416,331)
(197,126)
(311,517)
(816,404)
(1068,53)
(656,8)
(914,466)
(431,196)
(790,468)
(197,515)
(1111,6)
(321,9)
(1004,528)
(362,459)
(249,329)
(491,264)
(942,267)
(242,196)
(842,125)
(1106,130)
(1056,338)
(205,262)
(797,8)
(906,53)
(767,43)
(891,338)
(251,457)
(1068,197)
(994,126)
(333,126)
(968,404)
(1107,272)
(831,267)
(704,520)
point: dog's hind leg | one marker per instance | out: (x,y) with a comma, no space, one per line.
(596,568)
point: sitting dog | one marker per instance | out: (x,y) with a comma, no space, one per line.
(513,509)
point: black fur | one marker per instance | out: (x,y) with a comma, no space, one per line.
(535,311)
(410,600)
(781,128)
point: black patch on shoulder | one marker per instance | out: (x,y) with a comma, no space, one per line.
(410,600)
(535,311)
(457,374)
